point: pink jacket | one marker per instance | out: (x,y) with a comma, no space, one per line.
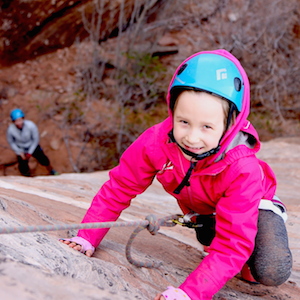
(231,186)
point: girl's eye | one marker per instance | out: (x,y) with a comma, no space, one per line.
(184,122)
(207,127)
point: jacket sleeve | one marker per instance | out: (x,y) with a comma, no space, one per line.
(34,137)
(236,228)
(131,177)
(11,141)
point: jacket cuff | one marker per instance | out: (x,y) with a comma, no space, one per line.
(175,294)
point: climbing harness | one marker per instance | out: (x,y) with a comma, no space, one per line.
(151,223)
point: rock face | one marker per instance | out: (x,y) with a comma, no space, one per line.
(36,27)
(37,266)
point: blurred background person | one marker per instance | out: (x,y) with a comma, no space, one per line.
(23,138)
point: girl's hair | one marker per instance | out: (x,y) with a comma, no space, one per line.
(229,108)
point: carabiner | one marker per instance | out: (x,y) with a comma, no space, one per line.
(186,220)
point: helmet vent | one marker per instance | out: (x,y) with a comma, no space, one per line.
(237,84)
(182,68)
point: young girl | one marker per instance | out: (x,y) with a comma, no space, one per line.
(204,155)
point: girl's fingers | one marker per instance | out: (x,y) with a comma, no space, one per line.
(72,245)
(75,246)
(65,242)
(89,253)
(159,297)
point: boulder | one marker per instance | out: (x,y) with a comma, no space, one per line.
(35,265)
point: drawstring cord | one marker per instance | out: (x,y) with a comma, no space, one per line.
(186,179)
(197,157)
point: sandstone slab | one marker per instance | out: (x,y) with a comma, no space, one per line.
(37,266)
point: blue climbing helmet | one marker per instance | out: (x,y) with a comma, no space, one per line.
(16,114)
(212,73)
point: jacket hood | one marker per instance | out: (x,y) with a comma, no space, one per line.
(241,122)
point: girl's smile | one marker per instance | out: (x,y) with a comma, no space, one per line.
(193,149)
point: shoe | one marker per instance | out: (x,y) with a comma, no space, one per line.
(246,274)
(53,172)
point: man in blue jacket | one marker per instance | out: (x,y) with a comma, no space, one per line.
(23,137)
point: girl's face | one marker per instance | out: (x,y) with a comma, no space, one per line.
(198,121)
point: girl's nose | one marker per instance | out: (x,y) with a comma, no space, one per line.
(193,136)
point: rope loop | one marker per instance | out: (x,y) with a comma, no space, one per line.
(153,226)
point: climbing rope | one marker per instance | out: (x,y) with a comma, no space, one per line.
(151,223)
(153,227)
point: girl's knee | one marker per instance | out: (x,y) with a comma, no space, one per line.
(275,271)
(271,261)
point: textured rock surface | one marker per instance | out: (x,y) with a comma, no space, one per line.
(34,27)
(37,266)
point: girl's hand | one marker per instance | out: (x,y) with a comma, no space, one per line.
(79,244)
(159,297)
(173,294)
(77,247)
